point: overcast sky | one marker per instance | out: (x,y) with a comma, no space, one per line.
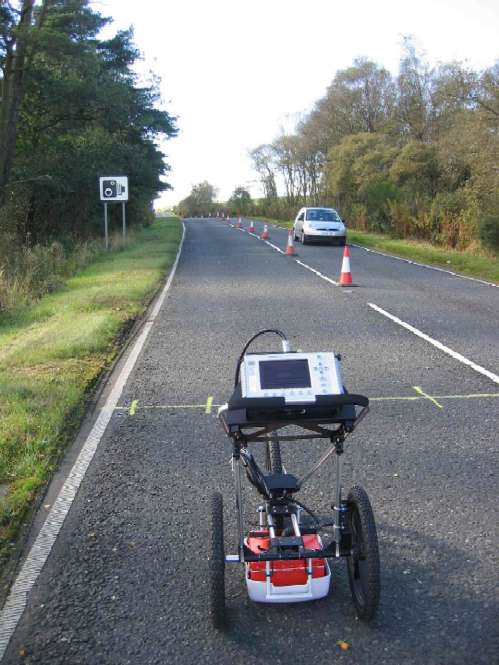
(236,71)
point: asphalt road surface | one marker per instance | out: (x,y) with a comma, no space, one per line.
(126,579)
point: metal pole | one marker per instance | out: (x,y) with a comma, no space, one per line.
(124,218)
(236,465)
(105,226)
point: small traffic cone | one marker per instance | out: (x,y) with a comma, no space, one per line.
(290,248)
(346,273)
(265,235)
(252,227)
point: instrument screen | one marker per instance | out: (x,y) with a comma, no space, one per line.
(284,374)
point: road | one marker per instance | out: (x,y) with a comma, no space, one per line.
(125,581)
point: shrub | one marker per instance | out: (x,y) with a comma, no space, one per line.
(489,231)
(445,213)
(376,196)
(359,218)
(28,273)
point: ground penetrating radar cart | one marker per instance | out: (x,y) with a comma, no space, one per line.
(287,559)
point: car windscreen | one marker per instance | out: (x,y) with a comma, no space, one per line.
(322,215)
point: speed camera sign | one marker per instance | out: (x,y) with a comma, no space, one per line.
(113,188)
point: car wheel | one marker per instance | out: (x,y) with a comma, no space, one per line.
(304,239)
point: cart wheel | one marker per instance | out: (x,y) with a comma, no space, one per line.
(363,564)
(217,563)
(273,456)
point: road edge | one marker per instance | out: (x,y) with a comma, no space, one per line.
(83,449)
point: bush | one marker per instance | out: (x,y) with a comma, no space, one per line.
(445,213)
(359,219)
(28,273)
(489,231)
(376,196)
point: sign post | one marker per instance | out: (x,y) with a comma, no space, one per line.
(113,188)
(123,214)
(106,231)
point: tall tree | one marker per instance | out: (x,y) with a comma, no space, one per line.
(414,98)
(17,48)
(200,201)
(240,201)
(82,114)
(263,162)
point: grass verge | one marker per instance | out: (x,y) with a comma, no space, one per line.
(52,353)
(483,266)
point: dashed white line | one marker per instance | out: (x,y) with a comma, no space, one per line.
(304,265)
(37,556)
(395,319)
(437,344)
(316,272)
(277,249)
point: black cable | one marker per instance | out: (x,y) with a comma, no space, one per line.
(252,339)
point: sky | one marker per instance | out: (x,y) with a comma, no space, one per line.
(237,72)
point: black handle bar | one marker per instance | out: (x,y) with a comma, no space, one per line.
(279,403)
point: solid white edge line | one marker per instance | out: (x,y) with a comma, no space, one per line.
(39,552)
(401,258)
(415,331)
(437,344)
(425,265)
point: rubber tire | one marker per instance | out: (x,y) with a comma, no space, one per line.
(304,239)
(273,455)
(216,563)
(365,583)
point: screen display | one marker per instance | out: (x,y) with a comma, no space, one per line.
(284,374)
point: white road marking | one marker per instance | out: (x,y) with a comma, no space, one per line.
(437,344)
(415,331)
(277,249)
(414,263)
(37,556)
(316,272)
(425,265)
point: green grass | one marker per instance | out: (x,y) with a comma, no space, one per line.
(480,265)
(53,352)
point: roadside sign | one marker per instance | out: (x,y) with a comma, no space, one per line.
(113,188)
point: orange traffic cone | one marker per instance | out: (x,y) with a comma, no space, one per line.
(346,273)
(251,227)
(265,235)
(290,248)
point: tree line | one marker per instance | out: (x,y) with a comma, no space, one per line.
(71,109)
(415,155)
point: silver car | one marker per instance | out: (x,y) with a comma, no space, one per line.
(319,224)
